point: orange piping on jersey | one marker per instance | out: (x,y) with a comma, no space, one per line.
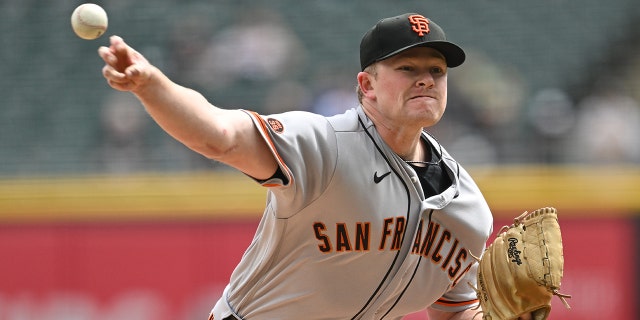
(448,303)
(269,185)
(265,131)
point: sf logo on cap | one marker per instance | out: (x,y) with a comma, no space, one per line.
(419,24)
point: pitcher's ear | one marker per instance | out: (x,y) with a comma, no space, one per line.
(365,84)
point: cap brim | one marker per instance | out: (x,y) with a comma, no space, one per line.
(453,54)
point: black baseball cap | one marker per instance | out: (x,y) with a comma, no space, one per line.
(393,35)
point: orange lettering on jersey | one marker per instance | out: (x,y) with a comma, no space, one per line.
(429,238)
(395,233)
(419,24)
(318,230)
(462,255)
(362,236)
(386,232)
(342,238)
(446,236)
(356,237)
(398,233)
(442,248)
(457,279)
(453,248)
(343,242)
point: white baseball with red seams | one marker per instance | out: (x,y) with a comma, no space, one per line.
(89,21)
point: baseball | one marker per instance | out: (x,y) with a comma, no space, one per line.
(89,21)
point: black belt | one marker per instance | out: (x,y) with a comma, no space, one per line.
(231,317)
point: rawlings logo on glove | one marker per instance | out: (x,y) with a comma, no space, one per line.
(521,270)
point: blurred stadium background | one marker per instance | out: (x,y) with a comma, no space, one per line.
(104,216)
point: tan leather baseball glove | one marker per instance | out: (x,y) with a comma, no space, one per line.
(521,270)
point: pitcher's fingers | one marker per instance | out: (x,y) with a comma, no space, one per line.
(122,53)
(122,86)
(106,55)
(111,74)
(116,44)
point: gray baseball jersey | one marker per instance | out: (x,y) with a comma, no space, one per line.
(348,232)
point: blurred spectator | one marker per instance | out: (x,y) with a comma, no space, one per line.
(631,69)
(496,92)
(259,46)
(551,114)
(335,91)
(286,95)
(131,143)
(123,125)
(462,132)
(496,89)
(335,100)
(188,40)
(608,127)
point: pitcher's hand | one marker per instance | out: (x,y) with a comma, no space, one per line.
(125,69)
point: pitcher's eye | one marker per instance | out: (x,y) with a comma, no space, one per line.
(406,68)
(438,70)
